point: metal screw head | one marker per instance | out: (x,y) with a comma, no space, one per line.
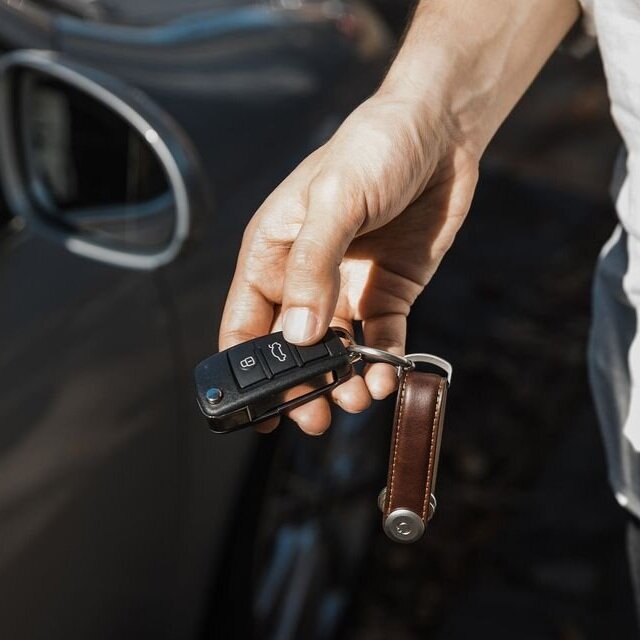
(213,395)
(404,525)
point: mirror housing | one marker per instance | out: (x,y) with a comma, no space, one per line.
(145,230)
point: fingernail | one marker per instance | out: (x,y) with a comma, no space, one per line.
(299,324)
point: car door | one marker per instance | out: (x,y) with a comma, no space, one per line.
(119,345)
(91,460)
(102,494)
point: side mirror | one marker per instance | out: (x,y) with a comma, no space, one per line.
(92,163)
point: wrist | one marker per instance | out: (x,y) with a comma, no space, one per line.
(467,64)
(427,106)
(433,81)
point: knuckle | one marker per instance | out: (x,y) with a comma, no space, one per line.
(253,271)
(280,226)
(306,256)
(232,337)
(341,194)
(328,187)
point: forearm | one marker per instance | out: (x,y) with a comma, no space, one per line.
(467,62)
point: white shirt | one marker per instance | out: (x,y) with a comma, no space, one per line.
(615,341)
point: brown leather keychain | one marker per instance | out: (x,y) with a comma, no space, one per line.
(408,501)
(259,379)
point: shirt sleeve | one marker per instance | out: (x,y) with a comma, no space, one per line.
(588,24)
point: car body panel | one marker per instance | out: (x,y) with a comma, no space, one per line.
(87,463)
(115,499)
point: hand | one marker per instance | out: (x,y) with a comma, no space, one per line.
(359,228)
(354,233)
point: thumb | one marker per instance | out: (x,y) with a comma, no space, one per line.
(312,276)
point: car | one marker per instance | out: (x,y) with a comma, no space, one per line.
(137,139)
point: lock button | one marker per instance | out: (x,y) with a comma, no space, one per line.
(245,365)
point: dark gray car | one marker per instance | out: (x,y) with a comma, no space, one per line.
(137,140)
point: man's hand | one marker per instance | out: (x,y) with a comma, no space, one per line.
(354,233)
(361,225)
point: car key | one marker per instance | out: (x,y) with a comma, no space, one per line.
(261,378)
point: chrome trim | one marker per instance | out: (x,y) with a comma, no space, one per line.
(51,64)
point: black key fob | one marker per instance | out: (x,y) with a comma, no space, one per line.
(259,379)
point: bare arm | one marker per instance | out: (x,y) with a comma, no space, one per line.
(360,226)
(471,61)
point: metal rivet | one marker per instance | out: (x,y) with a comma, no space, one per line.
(404,525)
(213,395)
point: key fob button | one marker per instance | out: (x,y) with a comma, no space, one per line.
(315,351)
(277,353)
(245,365)
(267,376)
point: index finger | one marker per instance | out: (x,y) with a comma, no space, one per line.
(248,314)
(256,287)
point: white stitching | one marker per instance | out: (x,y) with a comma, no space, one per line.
(395,445)
(432,451)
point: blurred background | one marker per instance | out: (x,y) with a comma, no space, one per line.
(136,140)
(529,542)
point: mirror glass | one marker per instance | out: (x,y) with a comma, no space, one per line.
(89,170)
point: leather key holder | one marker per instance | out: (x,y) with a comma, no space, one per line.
(408,501)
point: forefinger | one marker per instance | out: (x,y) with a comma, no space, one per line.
(248,314)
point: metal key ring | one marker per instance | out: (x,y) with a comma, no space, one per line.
(406,363)
(344,334)
(373,355)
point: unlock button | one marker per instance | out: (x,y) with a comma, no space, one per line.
(245,365)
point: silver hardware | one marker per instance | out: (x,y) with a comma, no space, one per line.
(404,363)
(404,525)
(213,395)
(401,525)
(344,334)
(434,360)
(370,354)
(382,496)
(433,503)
